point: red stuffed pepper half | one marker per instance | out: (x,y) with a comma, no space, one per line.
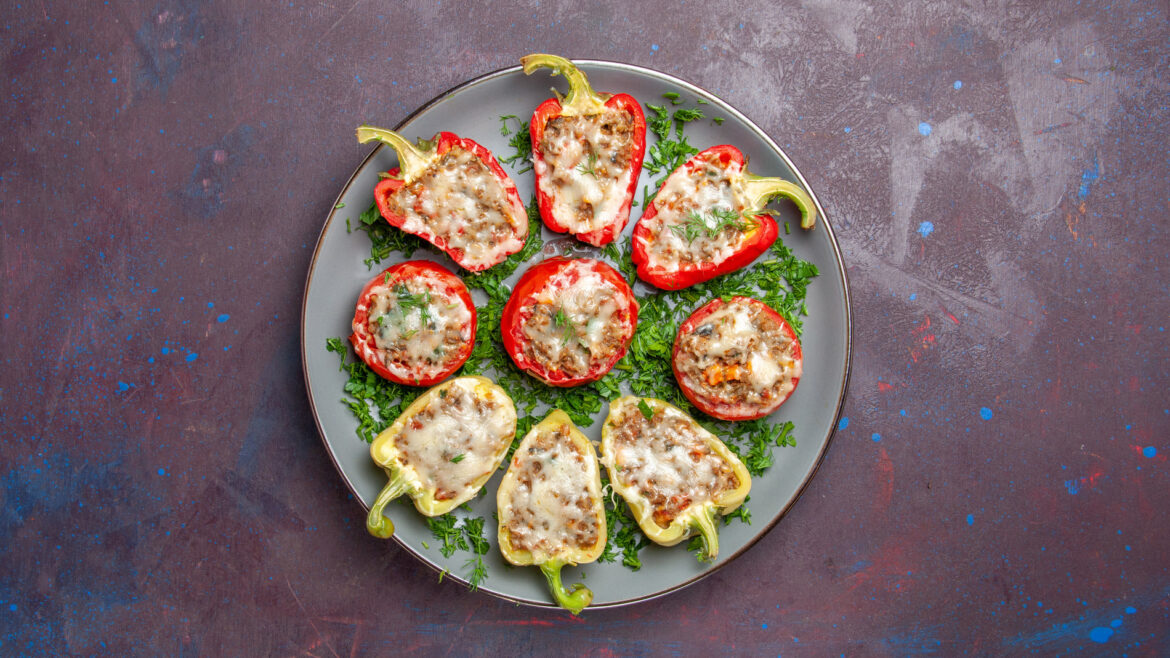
(451,192)
(569,320)
(414,323)
(587,153)
(737,359)
(708,219)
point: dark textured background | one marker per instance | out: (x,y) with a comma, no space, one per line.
(997,174)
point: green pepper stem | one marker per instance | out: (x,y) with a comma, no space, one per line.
(411,159)
(759,190)
(705,524)
(581,98)
(376,522)
(573,600)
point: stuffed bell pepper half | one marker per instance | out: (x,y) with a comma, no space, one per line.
(451,192)
(587,150)
(549,506)
(443,448)
(675,475)
(710,218)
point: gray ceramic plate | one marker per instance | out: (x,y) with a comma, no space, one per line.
(337,274)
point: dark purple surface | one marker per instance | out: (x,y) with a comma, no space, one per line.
(997,175)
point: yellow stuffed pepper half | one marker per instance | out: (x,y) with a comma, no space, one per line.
(443,448)
(550,508)
(676,476)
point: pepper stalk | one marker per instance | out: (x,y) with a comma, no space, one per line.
(412,159)
(376,522)
(574,600)
(581,99)
(758,190)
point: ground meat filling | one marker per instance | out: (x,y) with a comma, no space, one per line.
(667,460)
(460,201)
(552,509)
(588,160)
(449,440)
(417,326)
(575,328)
(740,354)
(699,217)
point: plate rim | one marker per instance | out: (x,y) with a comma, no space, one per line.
(841,269)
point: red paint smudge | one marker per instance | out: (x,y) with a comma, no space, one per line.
(883,387)
(1135,328)
(885,467)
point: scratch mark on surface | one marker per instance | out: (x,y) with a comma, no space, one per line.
(300,605)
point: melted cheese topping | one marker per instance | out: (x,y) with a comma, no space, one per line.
(739,354)
(699,192)
(554,507)
(418,326)
(667,460)
(577,322)
(459,201)
(456,439)
(585,167)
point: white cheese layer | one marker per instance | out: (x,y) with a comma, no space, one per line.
(417,325)
(697,193)
(460,200)
(585,168)
(553,509)
(584,309)
(455,440)
(667,461)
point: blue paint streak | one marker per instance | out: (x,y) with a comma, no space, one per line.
(223,318)
(844,423)
(192,356)
(1149,451)
(970,519)
(924,129)
(925,228)
(876,437)
(1073,486)
(1088,177)
(1116,623)
(1130,610)
(1101,634)
(985,413)
(958,84)
(123,387)
(162,471)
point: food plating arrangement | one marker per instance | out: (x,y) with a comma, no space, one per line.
(628,385)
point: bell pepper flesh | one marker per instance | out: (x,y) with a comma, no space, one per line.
(405,476)
(581,100)
(755,193)
(696,518)
(414,161)
(551,553)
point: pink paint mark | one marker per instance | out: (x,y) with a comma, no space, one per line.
(1135,328)
(884,387)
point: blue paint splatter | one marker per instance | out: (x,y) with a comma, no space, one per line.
(123,387)
(1056,61)
(191,357)
(1073,486)
(1116,623)
(924,128)
(1088,177)
(1130,610)
(764,626)
(162,471)
(113,81)
(654,47)
(12,607)
(970,519)
(848,129)
(913,296)
(876,437)
(958,84)
(925,228)
(1101,634)
(985,413)
(166,350)
(1149,451)
(844,423)
(223,318)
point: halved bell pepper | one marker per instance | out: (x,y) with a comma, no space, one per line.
(549,506)
(587,150)
(443,448)
(675,475)
(710,218)
(451,192)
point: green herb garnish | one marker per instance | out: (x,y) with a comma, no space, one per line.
(458,458)
(645,409)
(521,142)
(695,225)
(589,169)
